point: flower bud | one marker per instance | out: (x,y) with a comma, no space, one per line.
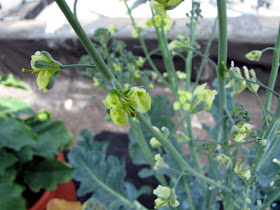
(157,20)
(154,142)
(159,162)
(254,55)
(47,69)
(140,61)
(181,75)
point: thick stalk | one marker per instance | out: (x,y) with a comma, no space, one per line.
(98,61)
(188,191)
(222,61)
(274,72)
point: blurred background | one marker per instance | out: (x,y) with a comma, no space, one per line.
(30,25)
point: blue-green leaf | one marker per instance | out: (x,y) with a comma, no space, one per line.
(99,173)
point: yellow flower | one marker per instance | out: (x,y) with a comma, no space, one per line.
(203,95)
(165,196)
(116,109)
(139,99)
(127,104)
(162,5)
(47,69)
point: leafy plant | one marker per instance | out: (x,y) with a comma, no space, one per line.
(242,167)
(29,143)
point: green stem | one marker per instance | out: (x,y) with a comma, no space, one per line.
(70,66)
(75,8)
(145,149)
(261,85)
(268,48)
(188,191)
(262,107)
(176,155)
(98,61)
(222,60)
(151,63)
(201,55)
(145,50)
(260,155)
(167,57)
(206,53)
(274,72)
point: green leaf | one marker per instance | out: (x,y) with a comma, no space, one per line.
(25,154)
(145,172)
(15,134)
(9,80)
(9,174)
(104,176)
(53,137)
(131,191)
(14,106)
(6,159)
(46,174)
(10,196)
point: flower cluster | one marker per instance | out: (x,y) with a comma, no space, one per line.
(240,132)
(159,21)
(127,104)
(197,101)
(162,5)
(243,173)
(237,81)
(159,162)
(165,196)
(164,132)
(47,69)
(179,44)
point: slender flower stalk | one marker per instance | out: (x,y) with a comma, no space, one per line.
(273,73)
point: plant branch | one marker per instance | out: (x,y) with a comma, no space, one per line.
(98,61)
